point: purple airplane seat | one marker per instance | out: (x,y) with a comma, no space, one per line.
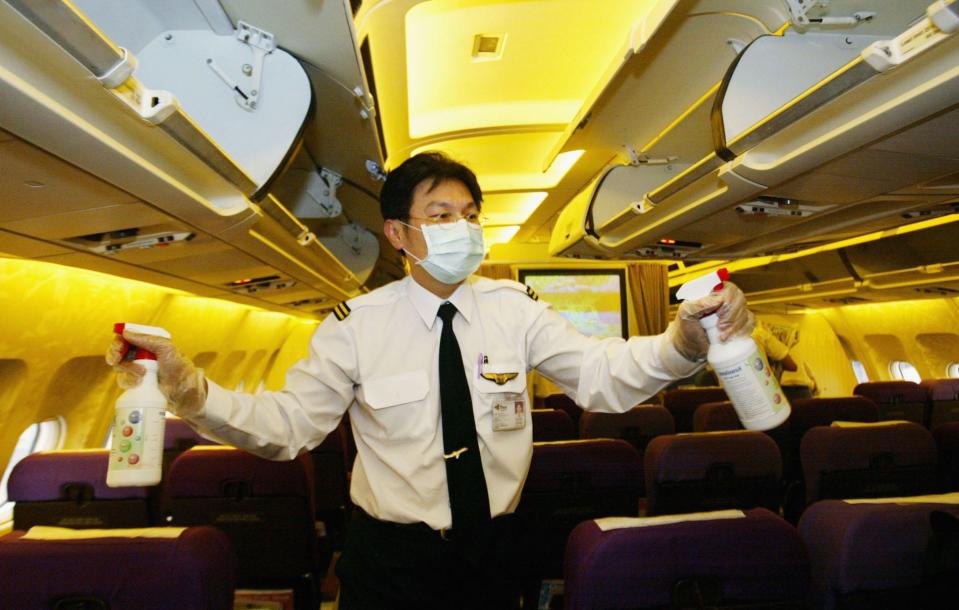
(868,461)
(562,402)
(943,397)
(552,425)
(712,470)
(191,571)
(179,436)
(883,555)
(947,444)
(896,399)
(715,417)
(570,481)
(69,489)
(682,404)
(743,559)
(812,412)
(637,426)
(266,507)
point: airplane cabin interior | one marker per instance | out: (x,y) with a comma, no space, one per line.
(213,167)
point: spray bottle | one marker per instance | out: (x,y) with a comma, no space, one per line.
(740,365)
(136,454)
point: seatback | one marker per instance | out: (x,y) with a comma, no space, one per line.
(682,404)
(812,412)
(568,482)
(552,425)
(881,555)
(331,485)
(637,426)
(562,402)
(709,471)
(178,436)
(193,570)
(947,444)
(265,507)
(69,489)
(751,559)
(715,417)
(868,461)
(896,399)
(943,397)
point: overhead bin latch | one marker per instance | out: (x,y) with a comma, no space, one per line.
(799,10)
(942,20)
(637,158)
(261,44)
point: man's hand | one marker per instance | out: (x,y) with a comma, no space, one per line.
(182,383)
(729,303)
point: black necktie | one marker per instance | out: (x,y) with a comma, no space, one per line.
(469,501)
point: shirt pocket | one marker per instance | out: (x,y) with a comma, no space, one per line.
(398,404)
(490,394)
(502,369)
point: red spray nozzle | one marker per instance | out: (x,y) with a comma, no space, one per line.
(703,285)
(139,353)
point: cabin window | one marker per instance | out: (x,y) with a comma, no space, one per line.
(41,436)
(900,369)
(859,370)
(952,369)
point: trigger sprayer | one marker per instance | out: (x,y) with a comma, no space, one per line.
(136,453)
(741,367)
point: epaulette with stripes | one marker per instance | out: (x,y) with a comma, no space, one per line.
(532,293)
(341,311)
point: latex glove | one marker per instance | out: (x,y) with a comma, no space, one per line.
(182,383)
(688,335)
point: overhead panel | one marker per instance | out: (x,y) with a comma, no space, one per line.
(775,163)
(179,181)
(452,87)
(509,161)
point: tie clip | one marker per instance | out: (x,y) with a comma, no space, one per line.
(455,454)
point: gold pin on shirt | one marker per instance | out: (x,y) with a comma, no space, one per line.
(499,378)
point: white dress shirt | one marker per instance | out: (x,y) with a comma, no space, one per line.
(381,363)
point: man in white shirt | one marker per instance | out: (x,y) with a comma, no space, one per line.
(432,527)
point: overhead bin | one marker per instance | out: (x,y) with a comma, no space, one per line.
(194,114)
(806,133)
(907,265)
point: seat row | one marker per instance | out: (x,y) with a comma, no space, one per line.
(192,568)
(887,554)
(931,402)
(265,508)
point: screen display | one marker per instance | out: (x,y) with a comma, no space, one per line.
(594,301)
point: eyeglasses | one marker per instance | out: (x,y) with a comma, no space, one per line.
(446,220)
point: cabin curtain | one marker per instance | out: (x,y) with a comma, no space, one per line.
(496,271)
(649,288)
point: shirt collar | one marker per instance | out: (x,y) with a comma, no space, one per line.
(428,304)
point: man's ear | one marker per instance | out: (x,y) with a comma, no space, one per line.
(391,229)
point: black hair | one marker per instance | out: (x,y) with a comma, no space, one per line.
(396,197)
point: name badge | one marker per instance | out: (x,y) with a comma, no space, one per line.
(509,412)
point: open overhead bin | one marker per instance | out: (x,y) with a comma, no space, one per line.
(196,114)
(909,264)
(806,134)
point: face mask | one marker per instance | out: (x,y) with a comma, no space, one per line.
(453,251)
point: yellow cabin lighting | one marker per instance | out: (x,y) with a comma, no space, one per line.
(498,235)
(564,43)
(510,208)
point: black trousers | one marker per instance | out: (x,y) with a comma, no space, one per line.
(396,566)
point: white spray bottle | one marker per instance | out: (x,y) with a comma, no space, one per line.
(740,365)
(136,454)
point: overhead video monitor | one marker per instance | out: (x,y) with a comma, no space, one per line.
(593,300)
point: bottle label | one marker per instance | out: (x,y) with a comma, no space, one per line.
(137,439)
(752,387)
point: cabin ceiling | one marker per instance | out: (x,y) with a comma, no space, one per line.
(540,97)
